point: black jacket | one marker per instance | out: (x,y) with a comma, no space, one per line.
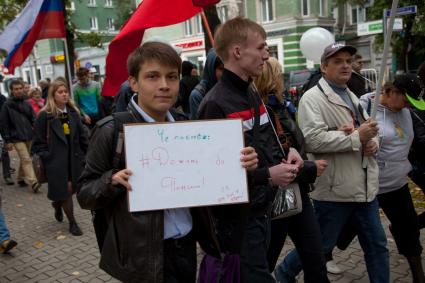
(232,97)
(122,98)
(417,151)
(58,153)
(16,120)
(132,250)
(307,175)
(357,84)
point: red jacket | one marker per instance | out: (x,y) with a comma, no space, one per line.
(36,105)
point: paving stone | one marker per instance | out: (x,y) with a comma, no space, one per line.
(54,260)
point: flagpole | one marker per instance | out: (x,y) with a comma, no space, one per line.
(387,40)
(68,66)
(207,27)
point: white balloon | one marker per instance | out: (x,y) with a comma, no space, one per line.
(314,41)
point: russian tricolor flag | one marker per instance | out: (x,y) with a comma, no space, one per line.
(40,19)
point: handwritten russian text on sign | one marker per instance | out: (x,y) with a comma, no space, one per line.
(185,164)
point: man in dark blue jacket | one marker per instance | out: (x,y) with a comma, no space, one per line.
(212,73)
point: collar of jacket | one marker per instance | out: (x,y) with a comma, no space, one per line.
(17,99)
(134,111)
(333,96)
(231,78)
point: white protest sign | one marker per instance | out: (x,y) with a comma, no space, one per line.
(185,164)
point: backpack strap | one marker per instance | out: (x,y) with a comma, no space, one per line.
(120,119)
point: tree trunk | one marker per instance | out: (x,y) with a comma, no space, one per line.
(70,45)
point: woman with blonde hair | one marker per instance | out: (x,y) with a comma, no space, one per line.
(61,141)
(303,227)
(35,99)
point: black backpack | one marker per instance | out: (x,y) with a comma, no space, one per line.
(100,217)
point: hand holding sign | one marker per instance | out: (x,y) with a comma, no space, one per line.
(187,164)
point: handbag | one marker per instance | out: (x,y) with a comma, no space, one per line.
(38,164)
(287,201)
(215,270)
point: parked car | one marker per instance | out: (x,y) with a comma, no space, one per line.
(297,79)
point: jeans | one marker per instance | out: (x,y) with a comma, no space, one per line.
(4,232)
(305,233)
(25,167)
(365,216)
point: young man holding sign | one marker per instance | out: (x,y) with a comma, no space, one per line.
(244,229)
(154,246)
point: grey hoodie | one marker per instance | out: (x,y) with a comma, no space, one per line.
(395,138)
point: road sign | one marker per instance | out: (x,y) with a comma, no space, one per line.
(375,27)
(403,11)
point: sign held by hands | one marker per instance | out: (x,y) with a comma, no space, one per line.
(185,164)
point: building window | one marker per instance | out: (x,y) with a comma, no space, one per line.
(92,3)
(188,30)
(108,3)
(323,7)
(110,24)
(38,73)
(223,13)
(70,6)
(267,10)
(305,9)
(198,20)
(27,76)
(358,14)
(93,23)
(273,51)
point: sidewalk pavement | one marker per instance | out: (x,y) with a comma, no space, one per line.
(46,252)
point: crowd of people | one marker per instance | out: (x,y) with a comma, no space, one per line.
(347,165)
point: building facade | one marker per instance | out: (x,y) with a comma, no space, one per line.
(284,21)
(90,18)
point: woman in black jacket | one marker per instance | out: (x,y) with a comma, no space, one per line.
(303,227)
(61,140)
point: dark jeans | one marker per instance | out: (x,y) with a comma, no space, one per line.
(398,207)
(180,260)
(332,217)
(304,231)
(418,176)
(5,160)
(254,267)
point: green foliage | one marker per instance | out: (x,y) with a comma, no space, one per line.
(125,9)
(93,39)
(413,34)
(9,10)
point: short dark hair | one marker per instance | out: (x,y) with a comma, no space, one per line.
(15,82)
(357,56)
(387,87)
(163,53)
(81,72)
